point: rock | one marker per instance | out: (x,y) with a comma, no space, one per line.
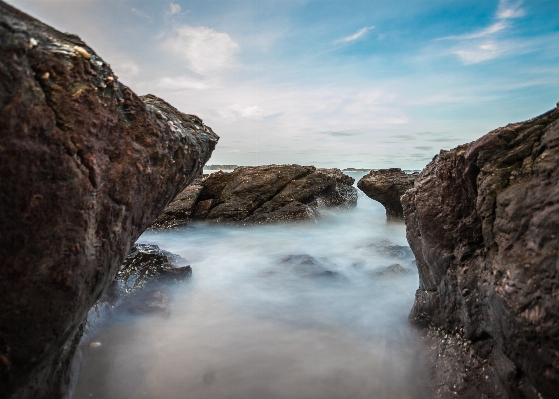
(147,265)
(388,249)
(306,266)
(483,223)
(387,186)
(180,209)
(392,270)
(141,284)
(85,167)
(263,194)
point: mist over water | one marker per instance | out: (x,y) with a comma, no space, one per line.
(256,320)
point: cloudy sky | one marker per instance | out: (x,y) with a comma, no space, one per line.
(333,83)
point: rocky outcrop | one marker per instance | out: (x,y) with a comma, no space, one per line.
(85,167)
(260,194)
(142,283)
(483,223)
(387,186)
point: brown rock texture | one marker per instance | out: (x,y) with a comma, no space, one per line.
(260,194)
(483,223)
(85,166)
(387,186)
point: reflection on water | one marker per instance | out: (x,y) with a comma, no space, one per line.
(286,311)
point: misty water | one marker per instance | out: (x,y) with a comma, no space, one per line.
(258,321)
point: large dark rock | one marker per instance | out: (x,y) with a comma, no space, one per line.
(85,167)
(387,186)
(483,222)
(260,194)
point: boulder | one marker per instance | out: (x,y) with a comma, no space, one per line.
(483,223)
(261,194)
(142,283)
(85,166)
(387,186)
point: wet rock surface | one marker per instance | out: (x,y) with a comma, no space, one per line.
(261,194)
(85,167)
(392,271)
(387,186)
(307,266)
(142,283)
(483,223)
(388,249)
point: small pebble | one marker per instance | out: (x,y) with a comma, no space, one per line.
(95,344)
(82,52)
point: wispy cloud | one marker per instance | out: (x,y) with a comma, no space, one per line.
(240,111)
(141,14)
(507,10)
(185,83)
(483,45)
(341,133)
(174,9)
(205,50)
(356,36)
(490,30)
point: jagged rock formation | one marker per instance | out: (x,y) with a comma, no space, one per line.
(85,167)
(260,194)
(387,186)
(483,222)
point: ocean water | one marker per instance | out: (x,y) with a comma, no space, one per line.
(301,310)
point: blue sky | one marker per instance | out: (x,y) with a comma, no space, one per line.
(369,84)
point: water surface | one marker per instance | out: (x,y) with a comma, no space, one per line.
(253,322)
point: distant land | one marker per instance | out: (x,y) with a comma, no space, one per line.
(220,167)
(231,167)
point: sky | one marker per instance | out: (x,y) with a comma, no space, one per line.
(330,83)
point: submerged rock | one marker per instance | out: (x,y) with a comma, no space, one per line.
(306,266)
(483,222)
(392,270)
(388,249)
(387,186)
(85,165)
(142,282)
(261,194)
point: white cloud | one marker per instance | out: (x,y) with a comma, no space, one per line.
(205,50)
(239,111)
(480,52)
(357,35)
(184,83)
(141,14)
(483,45)
(174,8)
(490,30)
(125,68)
(506,10)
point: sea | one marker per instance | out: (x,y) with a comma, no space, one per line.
(297,310)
